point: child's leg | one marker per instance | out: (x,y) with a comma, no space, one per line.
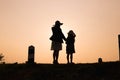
(67,58)
(71,57)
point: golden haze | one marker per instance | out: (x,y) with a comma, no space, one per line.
(28,22)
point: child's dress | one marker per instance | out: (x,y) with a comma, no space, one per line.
(70,49)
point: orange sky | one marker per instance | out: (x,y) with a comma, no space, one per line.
(28,22)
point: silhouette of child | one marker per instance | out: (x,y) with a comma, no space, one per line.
(70,46)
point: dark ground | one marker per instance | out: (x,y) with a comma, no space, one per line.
(93,71)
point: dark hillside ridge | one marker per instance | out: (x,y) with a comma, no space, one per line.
(93,71)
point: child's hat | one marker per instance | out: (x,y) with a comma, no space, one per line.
(71,33)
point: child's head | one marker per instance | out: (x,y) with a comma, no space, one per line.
(71,33)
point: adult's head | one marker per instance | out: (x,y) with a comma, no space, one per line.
(58,23)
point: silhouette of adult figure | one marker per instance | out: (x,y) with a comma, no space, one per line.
(57,40)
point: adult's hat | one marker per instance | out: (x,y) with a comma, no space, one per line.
(58,23)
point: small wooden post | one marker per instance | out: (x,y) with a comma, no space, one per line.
(119,45)
(31,52)
(100,60)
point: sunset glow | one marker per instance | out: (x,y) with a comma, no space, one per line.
(28,22)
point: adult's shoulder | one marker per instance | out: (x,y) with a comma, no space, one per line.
(55,28)
(52,28)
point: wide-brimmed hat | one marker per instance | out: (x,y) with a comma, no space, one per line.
(58,23)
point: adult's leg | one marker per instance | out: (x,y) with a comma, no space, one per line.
(54,56)
(71,57)
(68,58)
(57,55)
(54,52)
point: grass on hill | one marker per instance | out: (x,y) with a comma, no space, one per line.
(93,71)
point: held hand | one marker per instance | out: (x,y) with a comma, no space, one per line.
(65,39)
(65,42)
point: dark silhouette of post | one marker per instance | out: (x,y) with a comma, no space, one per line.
(119,45)
(100,60)
(31,52)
